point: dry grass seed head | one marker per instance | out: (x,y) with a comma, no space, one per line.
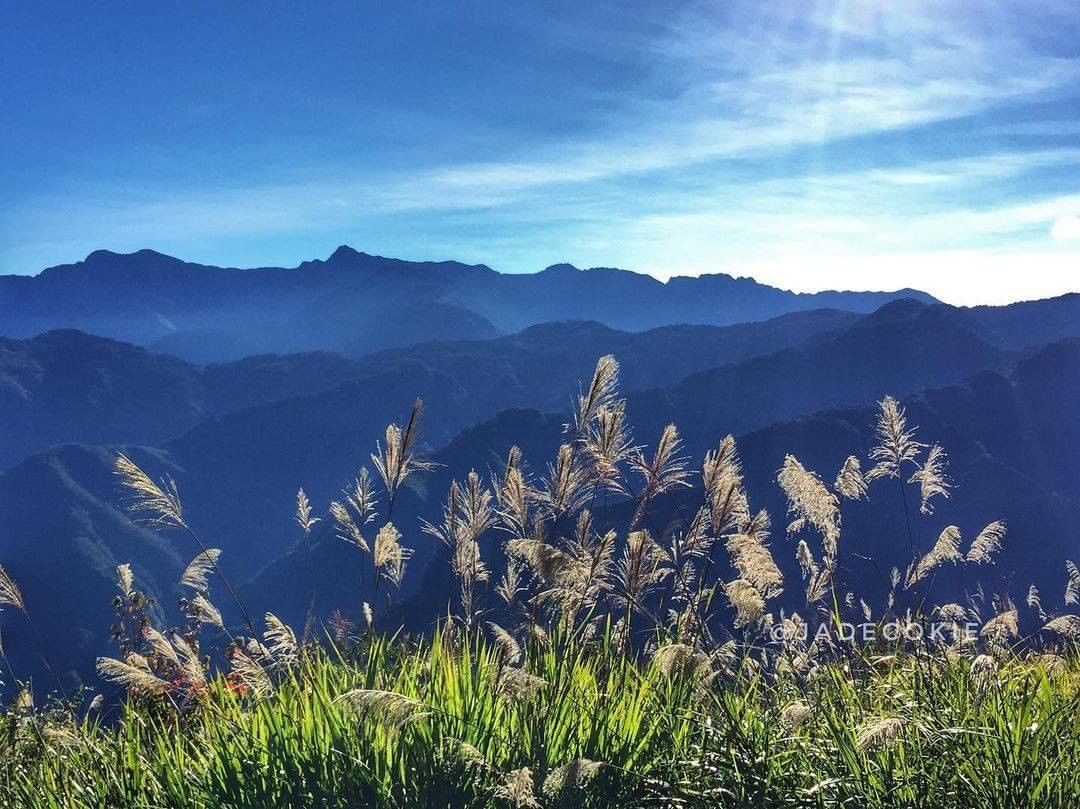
(931,479)
(509,649)
(601,392)
(280,640)
(518,789)
(133,674)
(303,511)
(10,594)
(347,528)
(571,776)
(946,549)
(147,501)
(125,580)
(205,612)
(1001,627)
(794,714)
(517,685)
(987,544)
(755,564)
(195,575)
(849,481)
(879,733)
(810,503)
(896,443)
(389,708)
(1072,588)
(251,673)
(1065,626)
(747,601)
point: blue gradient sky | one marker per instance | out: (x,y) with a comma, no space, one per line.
(809,144)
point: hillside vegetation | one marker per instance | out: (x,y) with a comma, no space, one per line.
(607,641)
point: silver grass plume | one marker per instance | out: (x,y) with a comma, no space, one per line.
(601,392)
(303,511)
(511,582)
(608,443)
(794,714)
(478,514)
(565,488)
(513,495)
(680,660)
(361,498)
(931,479)
(389,709)
(1034,601)
(133,674)
(398,459)
(466,753)
(550,565)
(195,575)
(987,543)
(984,670)
(189,663)
(517,685)
(722,479)
(596,556)
(248,670)
(9,592)
(953,613)
(149,502)
(641,569)
(205,612)
(347,528)
(805,558)
(280,641)
(811,503)
(879,733)
(896,443)
(1065,626)
(746,600)
(755,564)
(571,776)
(518,789)
(1072,588)
(946,549)
(1002,626)
(125,579)
(666,471)
(161,646)
(509,649)
(849,481)
(389,556)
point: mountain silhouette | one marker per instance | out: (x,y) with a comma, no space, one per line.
(360,303)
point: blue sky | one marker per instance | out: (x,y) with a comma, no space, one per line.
(864,144)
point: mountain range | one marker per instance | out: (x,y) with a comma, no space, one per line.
(128,359)
(357,303)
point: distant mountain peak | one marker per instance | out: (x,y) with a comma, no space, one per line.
(344,253)
(102,256)
(562,267)
(900,309)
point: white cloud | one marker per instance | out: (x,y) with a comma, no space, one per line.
(1066,228)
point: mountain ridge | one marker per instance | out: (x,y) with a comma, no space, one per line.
(359,302)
